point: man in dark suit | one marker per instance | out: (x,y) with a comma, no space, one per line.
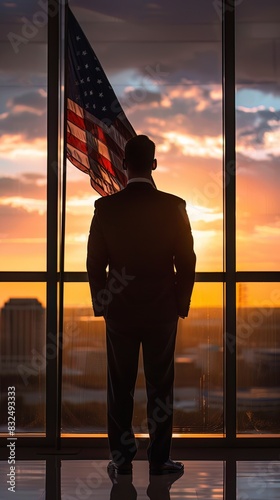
(145,238)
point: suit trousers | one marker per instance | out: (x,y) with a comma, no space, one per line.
(158,346)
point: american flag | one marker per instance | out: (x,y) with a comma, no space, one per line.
(97,128)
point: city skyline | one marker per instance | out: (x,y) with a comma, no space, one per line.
(198,360)
(260,294)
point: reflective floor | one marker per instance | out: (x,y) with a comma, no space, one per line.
(57,479)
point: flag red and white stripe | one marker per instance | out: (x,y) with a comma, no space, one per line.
(97,128)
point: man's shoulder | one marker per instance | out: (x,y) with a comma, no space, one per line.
(171,198)
(107,200)
(120,196)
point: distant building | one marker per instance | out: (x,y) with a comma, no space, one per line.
(22,330)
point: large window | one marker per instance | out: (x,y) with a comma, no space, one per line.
(258,130)
(173,66)
(257,216)
(169,93)
(23,127)
(23,205)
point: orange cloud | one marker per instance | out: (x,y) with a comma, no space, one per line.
(190,145)
(17,147)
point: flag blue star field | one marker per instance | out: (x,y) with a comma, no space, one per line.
(97,128)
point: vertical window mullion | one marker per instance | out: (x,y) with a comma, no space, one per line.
(228,27)
(52,224)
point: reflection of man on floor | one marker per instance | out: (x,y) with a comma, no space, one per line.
(158,489)
(141,233)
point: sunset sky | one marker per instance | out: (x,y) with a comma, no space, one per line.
(165,67)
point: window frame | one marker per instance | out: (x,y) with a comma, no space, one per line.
(55,278)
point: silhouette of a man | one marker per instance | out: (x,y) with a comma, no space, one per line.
(144,237)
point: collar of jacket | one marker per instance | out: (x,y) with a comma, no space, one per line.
(140,184)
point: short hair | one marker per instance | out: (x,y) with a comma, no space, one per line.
(140,152)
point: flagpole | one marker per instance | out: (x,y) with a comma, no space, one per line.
(63,224)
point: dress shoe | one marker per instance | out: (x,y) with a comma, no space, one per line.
(168,467)
(114,468)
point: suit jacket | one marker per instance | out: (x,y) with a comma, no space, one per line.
(144,237)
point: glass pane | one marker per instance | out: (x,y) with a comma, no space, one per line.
(23,107)
(258,132)
(30,480)
(167,74)
(198,402)
(258,480)
(84,364)
(23,357)
(198,395)
(258,357)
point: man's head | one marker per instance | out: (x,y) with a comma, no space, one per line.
(139,155)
